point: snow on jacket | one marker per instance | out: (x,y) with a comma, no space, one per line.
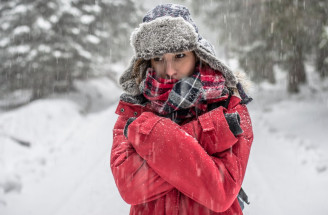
(194,168)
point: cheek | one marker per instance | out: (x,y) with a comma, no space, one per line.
(158,68)
(189,68)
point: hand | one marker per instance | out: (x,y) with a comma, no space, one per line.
(128,122)
(185,94)
(233,120)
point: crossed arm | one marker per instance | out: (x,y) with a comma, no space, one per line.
(202,159)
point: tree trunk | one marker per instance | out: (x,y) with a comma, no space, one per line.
(269,74)
(296,75)
(300,64)
(322,67)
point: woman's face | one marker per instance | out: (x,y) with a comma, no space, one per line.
(174,65)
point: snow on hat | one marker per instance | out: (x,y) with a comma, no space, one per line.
(169,28)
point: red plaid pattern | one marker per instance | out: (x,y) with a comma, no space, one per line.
(157,90)
(165,101)
(213,83)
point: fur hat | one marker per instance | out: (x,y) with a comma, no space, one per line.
(169,28)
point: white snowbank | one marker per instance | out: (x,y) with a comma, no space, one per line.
(288,167)
(68,155)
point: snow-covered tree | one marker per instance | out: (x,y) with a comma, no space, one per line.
(45,45)
(244,32)
(269,32)
(320,13)
(322,53)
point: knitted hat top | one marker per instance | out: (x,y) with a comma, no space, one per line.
(169,28)
(172,10)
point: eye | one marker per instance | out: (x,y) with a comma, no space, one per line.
(180,55)
(157,59)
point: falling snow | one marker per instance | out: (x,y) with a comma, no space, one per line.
(55,151)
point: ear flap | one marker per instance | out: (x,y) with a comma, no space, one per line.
(128,81)
(216,64)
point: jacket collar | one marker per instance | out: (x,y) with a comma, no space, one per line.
(134,110)
(129,109)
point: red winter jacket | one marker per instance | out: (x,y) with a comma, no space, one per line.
(195,168)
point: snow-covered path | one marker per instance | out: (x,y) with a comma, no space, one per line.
(81,181)
(287,171)
(96,192)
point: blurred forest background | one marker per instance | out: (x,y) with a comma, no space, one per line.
(46,45)
(59,66)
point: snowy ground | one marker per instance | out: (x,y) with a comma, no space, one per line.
(288,168)
(65,170)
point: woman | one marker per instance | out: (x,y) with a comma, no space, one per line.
(183,135)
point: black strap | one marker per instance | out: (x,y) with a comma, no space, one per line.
(228,99)
(243,196)
(245,99)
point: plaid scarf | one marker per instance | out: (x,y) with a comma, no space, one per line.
(186,97)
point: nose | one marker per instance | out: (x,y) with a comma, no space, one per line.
(170,70)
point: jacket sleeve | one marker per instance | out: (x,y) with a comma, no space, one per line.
(204,131)
(211,179)
(135,180)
